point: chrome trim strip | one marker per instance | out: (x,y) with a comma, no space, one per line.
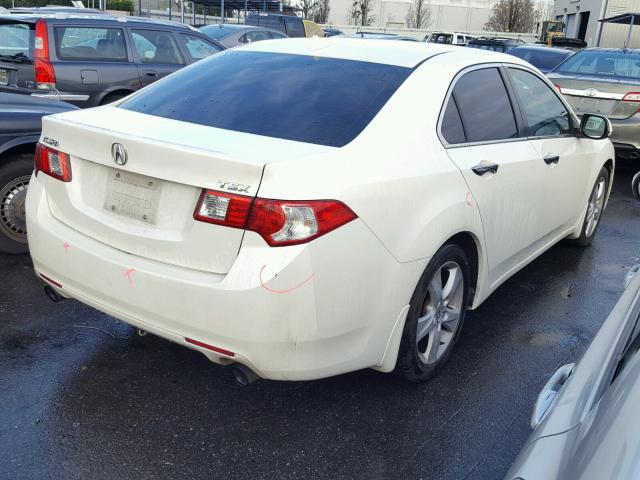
(600,95)
(62,96)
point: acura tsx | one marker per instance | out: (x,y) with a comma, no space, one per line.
(309,207)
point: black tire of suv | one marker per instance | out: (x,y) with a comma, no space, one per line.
(409,366)
(12,168)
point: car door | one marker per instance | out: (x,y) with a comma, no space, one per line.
(567,159)
(91,59)
(157,53)
(482,130)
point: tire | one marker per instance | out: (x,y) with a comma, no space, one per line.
(439,320)
(595,208)
(15,173)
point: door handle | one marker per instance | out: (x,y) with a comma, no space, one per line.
(551,159)
(483,168)
(150,73)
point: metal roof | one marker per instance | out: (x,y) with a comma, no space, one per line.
(623,18)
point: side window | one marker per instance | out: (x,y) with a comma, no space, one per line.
(484,106)
(87,43)
(451,127)
(630,351)
(255,36)
(545,114)
(155,46)
(199,48)
(294,27)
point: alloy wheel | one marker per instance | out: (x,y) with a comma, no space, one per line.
(440,315)
(595,206)
(13,222)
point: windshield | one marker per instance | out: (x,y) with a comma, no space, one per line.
(217,32)
(325,101)
(16,40)
(603,63)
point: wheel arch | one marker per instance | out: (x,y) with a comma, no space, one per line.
(26,144)
(114,92)
(471,246)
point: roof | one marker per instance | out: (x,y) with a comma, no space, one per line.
(390,52)
(624,18)
(101,17)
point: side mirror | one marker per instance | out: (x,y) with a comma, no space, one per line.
(595,126)
(635,186)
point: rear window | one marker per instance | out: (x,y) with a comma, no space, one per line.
(218,32)
(488,46)
(89,43)
(603,63)
(441,38)
(543,59)
(325,101)
(16,41)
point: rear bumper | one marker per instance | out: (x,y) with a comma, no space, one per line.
(291,313)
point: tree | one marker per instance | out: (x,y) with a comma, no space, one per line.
(321,12)
(518,16)
(360,13)
(307,7)
(419,15)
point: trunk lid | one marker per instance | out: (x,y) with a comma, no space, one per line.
(592,94)
(16,54)
(145,207)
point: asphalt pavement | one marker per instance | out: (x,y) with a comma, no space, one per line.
(82,396)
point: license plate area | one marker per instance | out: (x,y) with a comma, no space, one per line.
(4,77)
(133,196)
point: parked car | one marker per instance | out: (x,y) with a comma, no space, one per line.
(92,60)
(449,38)
(231,35)
(606,81)
(332,32)
(291,25)
(494,44)
(544,59)
(382,36)
(20,124)
(585,421)
(232,221)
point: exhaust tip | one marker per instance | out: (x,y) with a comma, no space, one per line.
(53,295)
(243,375)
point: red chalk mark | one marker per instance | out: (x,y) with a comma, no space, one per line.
(66,246)
(128,273)
(283,291)
(468,199)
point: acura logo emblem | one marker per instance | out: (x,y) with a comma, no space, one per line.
(591,92)
(119,153)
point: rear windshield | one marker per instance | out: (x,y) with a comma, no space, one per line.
(603,63)
(494,47)
(218,32)
(543,59)
(441,38)
(325,101)
(16,41)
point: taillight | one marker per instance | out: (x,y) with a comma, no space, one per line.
(53,163)
(278,222)
(558,87)
(45,75)
(631,97)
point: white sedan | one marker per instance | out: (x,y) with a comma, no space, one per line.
(307,207)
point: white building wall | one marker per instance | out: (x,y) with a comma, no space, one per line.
(612,35)
(454,15)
